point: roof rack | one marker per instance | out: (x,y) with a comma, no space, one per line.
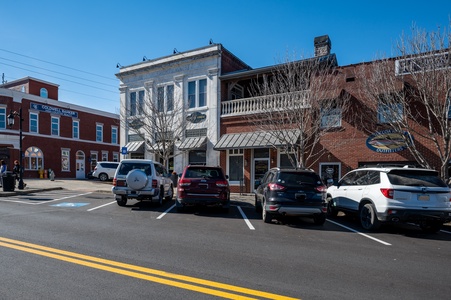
(405,166)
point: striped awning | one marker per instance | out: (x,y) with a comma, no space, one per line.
(135,147)
(193,143)
(259,139)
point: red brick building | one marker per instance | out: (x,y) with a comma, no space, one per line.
(64,137)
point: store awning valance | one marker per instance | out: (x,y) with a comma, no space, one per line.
(257,139)
(135,147)
(193,143)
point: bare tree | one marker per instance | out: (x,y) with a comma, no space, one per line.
(298,102)
(158,120)
(412,94)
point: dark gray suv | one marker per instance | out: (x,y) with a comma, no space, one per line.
(288,192)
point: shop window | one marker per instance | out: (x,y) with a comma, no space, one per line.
(236,166)
(65,160)
(33,159)
(197,157)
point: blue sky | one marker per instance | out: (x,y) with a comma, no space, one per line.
(77,44)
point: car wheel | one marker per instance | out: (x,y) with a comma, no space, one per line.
(103,177)
(368,217)
(122,201)
(430,227)
(319,219)
(258,206)
(267,217)
(170,193)
(331,211)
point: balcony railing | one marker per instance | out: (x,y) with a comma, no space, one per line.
(254,105)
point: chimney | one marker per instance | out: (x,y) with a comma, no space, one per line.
(322,45)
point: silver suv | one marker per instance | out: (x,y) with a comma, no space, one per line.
(142,179)
(105,170)
(392,194)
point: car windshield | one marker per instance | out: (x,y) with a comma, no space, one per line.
(127,167)
(415,178)
(297,178)
(203,173)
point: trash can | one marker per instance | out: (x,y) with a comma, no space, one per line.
(9,181)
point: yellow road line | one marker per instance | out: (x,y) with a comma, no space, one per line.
(113,266)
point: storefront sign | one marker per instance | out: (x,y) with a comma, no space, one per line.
(54,110)
(387,141)
(196,117)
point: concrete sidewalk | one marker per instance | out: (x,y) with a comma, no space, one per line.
(85,185)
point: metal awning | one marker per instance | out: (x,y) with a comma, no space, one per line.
(193,143)
(259,139)
(135,147)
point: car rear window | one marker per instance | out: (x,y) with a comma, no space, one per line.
(109,165)
(125,168)
(297,178)
(415,178)
(203,173)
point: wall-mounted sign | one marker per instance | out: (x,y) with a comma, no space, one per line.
(54,110)
(196,117)
(387,141)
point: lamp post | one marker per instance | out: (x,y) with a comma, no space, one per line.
(11,117)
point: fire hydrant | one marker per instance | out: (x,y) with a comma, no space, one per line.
(51,175)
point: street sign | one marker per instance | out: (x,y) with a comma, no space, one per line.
(124,150)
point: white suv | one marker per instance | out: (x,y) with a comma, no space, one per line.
(392,194)
(105,170)
(142,179)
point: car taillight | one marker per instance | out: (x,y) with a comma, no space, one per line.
(321,188)
(184,182)
(114,182)
(276,187)
(154,183)
(222,183)
(388,193)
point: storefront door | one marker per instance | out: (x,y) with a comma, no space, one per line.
(261,166)
(80,167)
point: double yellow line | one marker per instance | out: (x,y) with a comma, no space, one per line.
(180,281)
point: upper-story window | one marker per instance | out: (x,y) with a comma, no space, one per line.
(113,135)
(99,132)
(388,113)
(237,92)
(34,121)
(136,103)
(422,63)
(44,93)
(75,129)
(165,98)
(55,126)
(2,117)
(197,93)
(330,117)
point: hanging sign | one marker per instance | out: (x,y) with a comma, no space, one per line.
(387,141)
(196,117)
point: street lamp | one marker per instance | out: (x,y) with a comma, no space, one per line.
(11,117)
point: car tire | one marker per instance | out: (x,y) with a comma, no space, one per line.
(258,206)
(430,227)
(266,216)
(170,193)
(319,219)
(332,212)
(122,201)
(103,177)
(368,217)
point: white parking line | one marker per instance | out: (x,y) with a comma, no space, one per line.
(445,231)
(358,232)
(64,198)
(94,208)
(167,210)
(245,218)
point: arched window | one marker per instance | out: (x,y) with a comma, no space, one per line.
(80,155)
(34,159)
(44,93)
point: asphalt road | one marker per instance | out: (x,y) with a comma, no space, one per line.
(80,245)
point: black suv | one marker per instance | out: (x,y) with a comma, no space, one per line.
(289,192)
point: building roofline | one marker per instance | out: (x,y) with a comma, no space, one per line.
(25,79)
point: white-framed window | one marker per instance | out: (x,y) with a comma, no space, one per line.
(330,172)
(33,159)
(93,159)
(115,156)
(2,117)
(99,132)
(287,159)
(422,63)
(65,160)
(330,117)
(235,166)
(197,93)
(104,155)
(388,113)
(136,103)
(114,135)
(75,129)
(34,122)
(55,126)
(43,93)
(165,98)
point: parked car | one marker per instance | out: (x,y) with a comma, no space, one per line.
(203,185)
(105,170)
(289,192)
(392,194)
(142,179)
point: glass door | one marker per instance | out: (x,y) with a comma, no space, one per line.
(261,166)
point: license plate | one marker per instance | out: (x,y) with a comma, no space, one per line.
(423,197)
(300,197)
(203,186)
